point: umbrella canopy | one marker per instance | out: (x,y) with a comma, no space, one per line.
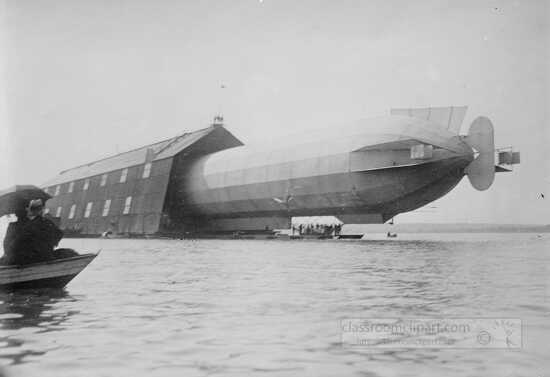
(17,198)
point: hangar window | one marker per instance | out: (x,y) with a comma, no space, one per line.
(57,190)
(58,212)
(72,210)
(146,170)
(127,205)
(86,184)
(123,175)
(88,209)
(103,180)
(71,187)
(106,207)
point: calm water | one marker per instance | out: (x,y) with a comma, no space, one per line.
(272,308)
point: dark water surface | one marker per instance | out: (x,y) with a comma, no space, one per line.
(272,308)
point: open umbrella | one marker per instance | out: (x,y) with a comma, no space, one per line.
(17,197)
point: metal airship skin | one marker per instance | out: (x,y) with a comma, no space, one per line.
(366,172)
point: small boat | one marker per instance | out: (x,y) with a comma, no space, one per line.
(350,236)
(50,274)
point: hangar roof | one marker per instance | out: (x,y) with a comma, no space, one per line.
(148,153)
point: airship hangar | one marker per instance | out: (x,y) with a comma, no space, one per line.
(208,181)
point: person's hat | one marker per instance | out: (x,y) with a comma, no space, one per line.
(36,204)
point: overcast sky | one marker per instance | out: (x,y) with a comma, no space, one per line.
(80,80)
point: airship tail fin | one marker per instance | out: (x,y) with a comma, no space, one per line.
(450,117)
(481,171)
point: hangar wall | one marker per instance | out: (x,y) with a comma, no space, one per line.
(128,193)
(110,209)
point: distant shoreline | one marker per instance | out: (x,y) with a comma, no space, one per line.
(445,228)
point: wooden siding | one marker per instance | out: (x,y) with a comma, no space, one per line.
(145,212)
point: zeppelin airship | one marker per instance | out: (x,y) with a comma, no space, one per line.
(208,181)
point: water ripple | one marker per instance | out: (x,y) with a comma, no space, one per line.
(213,307)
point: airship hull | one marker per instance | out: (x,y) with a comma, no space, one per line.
(240,189)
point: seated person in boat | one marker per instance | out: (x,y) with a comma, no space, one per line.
(33,240)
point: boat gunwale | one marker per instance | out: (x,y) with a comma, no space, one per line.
(49,262)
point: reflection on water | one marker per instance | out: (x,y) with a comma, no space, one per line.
(213,307)
(31,311)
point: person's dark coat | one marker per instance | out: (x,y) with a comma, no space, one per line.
(12,231)
(34,242)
